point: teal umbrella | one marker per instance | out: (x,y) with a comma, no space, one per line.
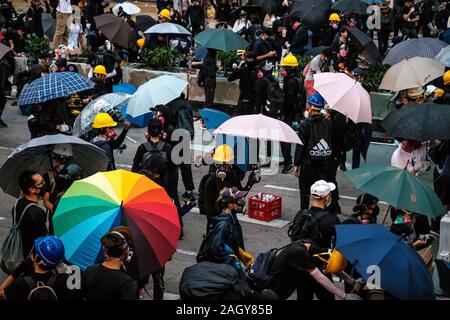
(221,39)
(398,187)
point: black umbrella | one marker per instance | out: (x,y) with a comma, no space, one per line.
(269,6)
(4,50)
(351,6)
(312,13)
(315,51)
(48,25)
(421,122)
(251,10)
(115,30)
(144,22)
(366,47)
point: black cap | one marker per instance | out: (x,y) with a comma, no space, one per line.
(61,62)
(155,126)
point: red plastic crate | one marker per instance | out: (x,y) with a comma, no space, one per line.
(263,210)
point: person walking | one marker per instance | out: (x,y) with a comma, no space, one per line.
(63,13)
(207,76)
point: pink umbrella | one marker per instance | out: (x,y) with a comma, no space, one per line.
(344,95)
(258,126)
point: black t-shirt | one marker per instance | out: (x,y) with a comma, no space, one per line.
(288,268)
(19,289)
(33,224)
(327,228)
(101,283)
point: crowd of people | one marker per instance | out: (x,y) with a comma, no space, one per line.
(271,82)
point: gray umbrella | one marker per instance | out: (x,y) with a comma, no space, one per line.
(3,50)
(35,155)
(49,25)
(421,47)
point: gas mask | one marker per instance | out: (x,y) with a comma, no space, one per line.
(42,190)
(283,73)
(240,203)
(306,114)
(222,170)
(342,53)
(260,74)
(335,25)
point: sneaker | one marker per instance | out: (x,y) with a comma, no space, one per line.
(14,104)
(190,195)
(287,168)
(2,124)
(284,162)
(342,167)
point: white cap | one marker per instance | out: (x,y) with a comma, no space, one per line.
(430,89)
(322,188)
(63,149)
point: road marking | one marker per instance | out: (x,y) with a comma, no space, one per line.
(298,190)
(276,223)
(7,148)
(167,296)
(122,165)
(185,252)
(1,218)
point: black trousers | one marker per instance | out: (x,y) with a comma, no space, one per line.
(356,158)
(209,96)
(286,149)
(383,41)
(309,286)
(312,173)
(186,176)
(3,101)
(158,285)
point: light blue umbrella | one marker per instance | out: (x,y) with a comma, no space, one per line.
(109,103)
(55,85)
(168,28)
(154,92)
(140,121)
(444,56)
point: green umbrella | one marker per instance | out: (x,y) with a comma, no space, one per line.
(398,187)
(221,39)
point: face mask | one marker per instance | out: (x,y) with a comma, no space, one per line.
(365,221)
(335,25)
(260,74)
(221,172)
(283,73)
(111,135)
(376,211)
(42,191)
(343,53)
(306,114)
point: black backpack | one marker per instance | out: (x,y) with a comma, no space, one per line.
(275,99)
(41,291)
(184,118)
(319,145)
(306,226)
(257,273)
(204,253)
(201,194)
(152,150)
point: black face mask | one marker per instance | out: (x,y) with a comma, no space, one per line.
(222,171)
(42,191)
(376,211)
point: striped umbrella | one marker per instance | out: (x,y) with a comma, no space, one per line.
(422,47)
(95,205)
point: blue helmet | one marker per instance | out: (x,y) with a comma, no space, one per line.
(316,101)
(50,250)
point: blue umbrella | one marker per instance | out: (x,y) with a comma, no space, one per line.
(403,273)
(55,85)
(213,119)
(140,121)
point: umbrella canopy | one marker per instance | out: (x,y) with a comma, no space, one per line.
(140,121)
(315,51)
(270,6)
(366,47)
(168,28)
(421,122)
(55,85)
(344,95)
(116,30)
(157,91)
(109,103)
(258,126)
(444,56)
(95,205)
(421,47)
(213,119)
(128,7)
(411,73)
(35,155)
(403,272)
(312,13)
(144,22)
(351,6)
(251,10)
(3,50)
(221,39)
(48,25)
(398,187)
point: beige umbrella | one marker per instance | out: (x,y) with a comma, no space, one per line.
(411,73)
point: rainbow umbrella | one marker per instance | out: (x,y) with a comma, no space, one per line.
(95,205)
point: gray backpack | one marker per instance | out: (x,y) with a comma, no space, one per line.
(12,250)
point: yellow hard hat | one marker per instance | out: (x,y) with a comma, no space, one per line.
(239,52)
(140,42)
(439,92)
(447,77)
(165,13)
(289,61)
(335,262)
(103,120)
(223,153)
(334,17)
(100,69)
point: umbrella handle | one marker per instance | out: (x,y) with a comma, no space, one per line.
(385,215)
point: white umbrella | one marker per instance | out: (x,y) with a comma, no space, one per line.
(128,7)
(444,56)
(154,92)
(258,126)
(168,28)
(411,73)
(344,95)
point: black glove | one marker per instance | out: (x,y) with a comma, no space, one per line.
(25,267)
(252,179)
